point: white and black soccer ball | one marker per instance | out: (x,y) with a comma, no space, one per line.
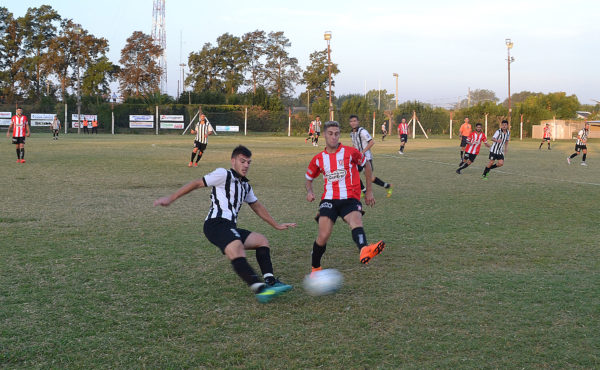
(323,282)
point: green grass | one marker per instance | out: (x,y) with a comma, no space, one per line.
(493,274)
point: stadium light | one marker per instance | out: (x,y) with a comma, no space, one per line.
(77,31)
(327,37)
(509,45)
(396,75)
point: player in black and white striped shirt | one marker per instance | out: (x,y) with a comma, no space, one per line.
(203,129)
(581,144)
(498,150)
(230,189)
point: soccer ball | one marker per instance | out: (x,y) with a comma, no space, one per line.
(323,282)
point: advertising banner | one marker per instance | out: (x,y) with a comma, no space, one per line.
(141,118)
(171,118)
(5,118)
(137,124)
(89,117)
(228,128)
(172,125)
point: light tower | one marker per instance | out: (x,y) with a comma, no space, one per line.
(159,35)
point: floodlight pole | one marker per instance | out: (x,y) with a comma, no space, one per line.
(77,31)
(509,45)
(327,37)
(396,75)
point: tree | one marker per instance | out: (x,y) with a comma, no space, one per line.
(254,45)
(39,28)
(205,70)
(316,76)
(140,72)
(477,96)
(10,50)
(281,70)
(232,61)
(97,77)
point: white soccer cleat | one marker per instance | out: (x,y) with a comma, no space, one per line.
(399,152)
(569,160)
(583,164)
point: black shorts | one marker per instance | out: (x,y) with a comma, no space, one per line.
(334,208)
(404,138)
(579,148)
(463,141)
(496,157)
(18,140)
(221,232)
(546,139)
(318,133)
(200,146)
(360,168)
(470,157)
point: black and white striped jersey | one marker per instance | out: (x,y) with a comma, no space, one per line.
(503,137)
(360,140)
(318,126)
(230,190)
(582,136)
(202,132)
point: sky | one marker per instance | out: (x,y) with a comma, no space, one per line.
(439,49)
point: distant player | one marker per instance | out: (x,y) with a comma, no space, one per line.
(317,134)
(546,137)
(474,141)
(581,144)
(55,127)
(384,131)
(20,130)
(311,133)
(341,194)
(364,142)
(464,131)
(498,150)
(230,189)
(403,135)
(203,129)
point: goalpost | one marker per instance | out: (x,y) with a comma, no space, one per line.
(414,120)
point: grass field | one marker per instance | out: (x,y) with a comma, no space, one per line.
(502,273)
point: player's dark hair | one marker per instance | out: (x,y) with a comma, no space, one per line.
(505,121)
(329,124)
(353,116)
(318,117)
(478,124)
(240,149)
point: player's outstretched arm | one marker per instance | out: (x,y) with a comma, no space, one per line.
(166,201)
(262,212)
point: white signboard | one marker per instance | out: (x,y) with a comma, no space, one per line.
(5,118)
(171,118)
(141,118)
(228,128)
(42,116)
(40,122)
(172,125)
(136,124)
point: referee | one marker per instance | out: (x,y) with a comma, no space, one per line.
(498,149)
(230,189)
(202,131)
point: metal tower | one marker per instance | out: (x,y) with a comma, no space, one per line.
(159,35)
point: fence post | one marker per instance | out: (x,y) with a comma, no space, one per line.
(521,126)
(486,115)
(289,121)
(373,124)
(66,117)
(156,120)
(451,114)
(246,121)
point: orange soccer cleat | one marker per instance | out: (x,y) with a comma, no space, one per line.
(368,252)
(315,269)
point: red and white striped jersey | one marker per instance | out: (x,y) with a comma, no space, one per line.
(340,172)
(547,132)
(474,142)
(403,128)
(19,124)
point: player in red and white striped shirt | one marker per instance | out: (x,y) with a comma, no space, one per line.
(547,136)
(403,135)
(341,194)
(20,129)
(474,141)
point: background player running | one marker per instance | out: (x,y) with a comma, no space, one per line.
(203,129)
(20,129)
(498,149)
(230,189)
(581,144)
(473,145)
(341,194)
(383,131)
(364,142)
(403,135)
(546,137)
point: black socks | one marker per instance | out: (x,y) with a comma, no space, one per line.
(317,253)
(359,237)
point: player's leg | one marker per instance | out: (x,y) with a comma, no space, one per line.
(354,220)
(548,144)
(194,151)
(584,151)
(22,148)
(326,219)
(201,151)
(488,166)
(577,149)
(260,244)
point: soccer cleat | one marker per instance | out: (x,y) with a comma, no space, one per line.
(582,163)
(269,292)
(196,164)
(275,283)
(305,141)
(368,252)
(484,177)
(389,192)
(18,160)
(315,269)
(458,172)
(190,164)
(569,160)
(22,160)
(400,152)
